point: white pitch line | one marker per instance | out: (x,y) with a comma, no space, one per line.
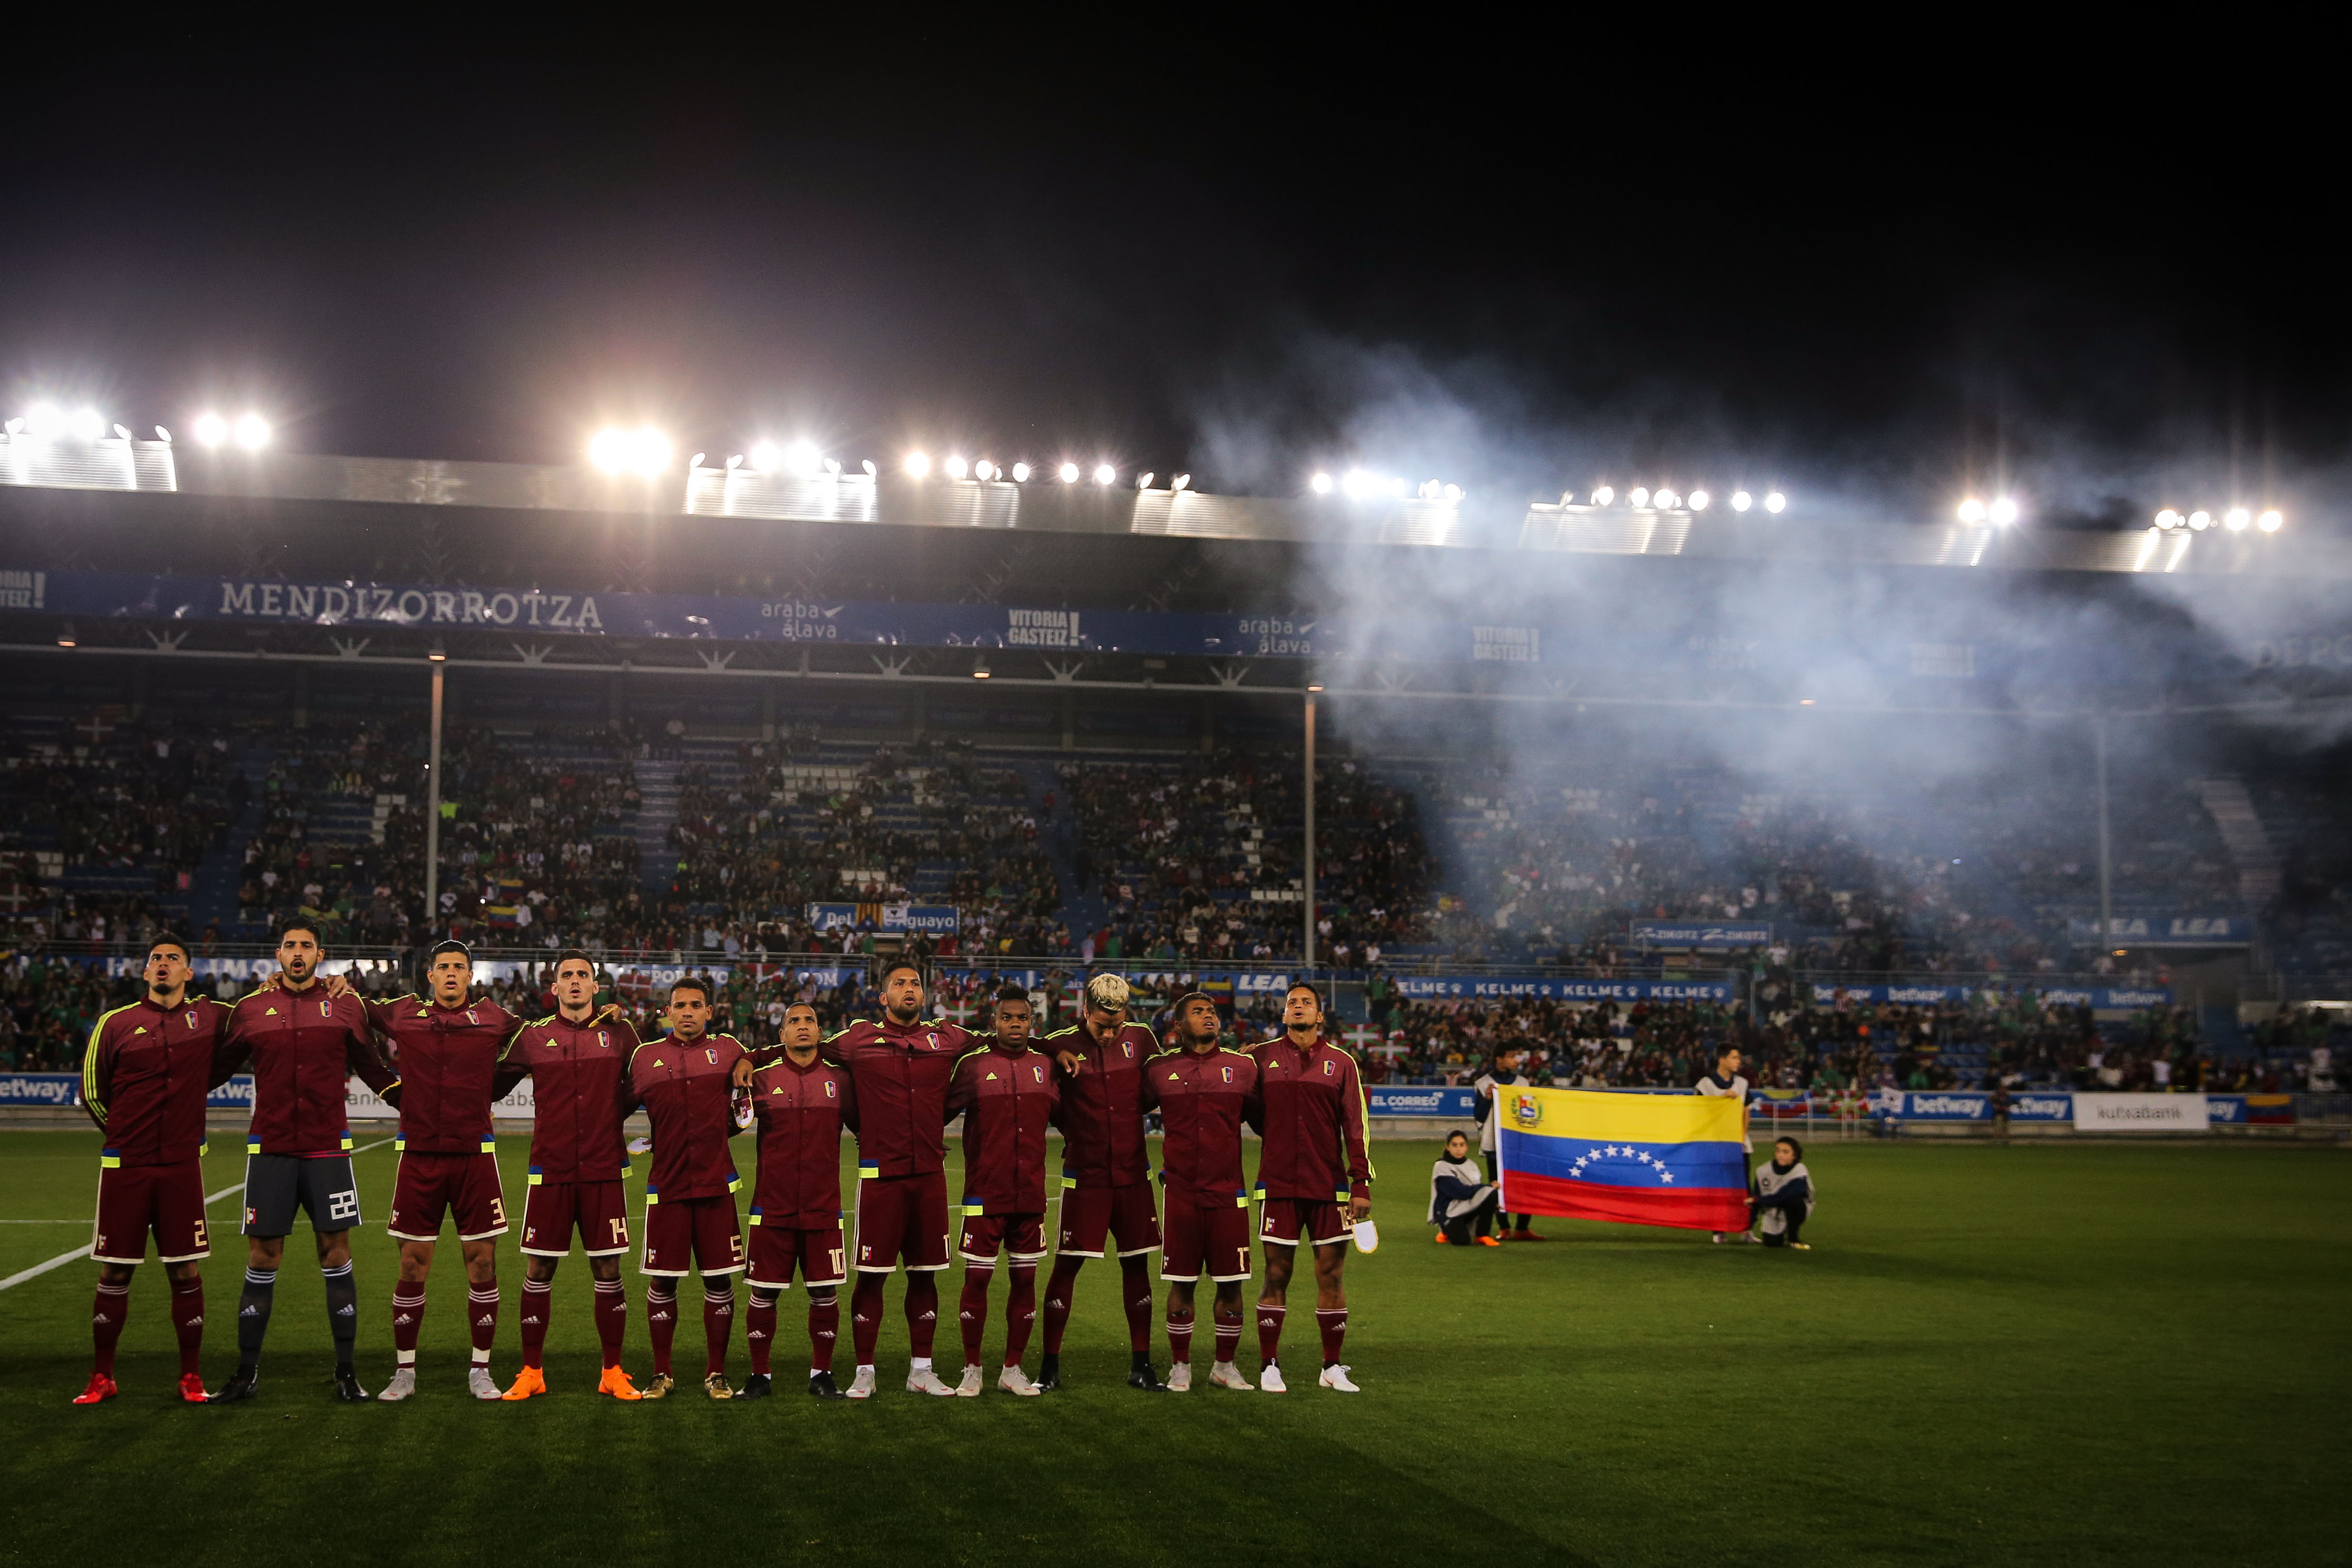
(62,1258)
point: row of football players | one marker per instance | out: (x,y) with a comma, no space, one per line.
(894,1085)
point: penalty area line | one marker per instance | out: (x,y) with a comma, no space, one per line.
(62,1258)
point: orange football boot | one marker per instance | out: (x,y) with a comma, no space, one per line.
(528,1382)
(616,1382)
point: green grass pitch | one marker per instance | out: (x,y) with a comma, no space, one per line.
(2057,1353)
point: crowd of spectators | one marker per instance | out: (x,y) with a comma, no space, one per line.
(1981,876)
(1203,860)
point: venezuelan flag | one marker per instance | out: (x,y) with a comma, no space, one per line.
(1636,1159)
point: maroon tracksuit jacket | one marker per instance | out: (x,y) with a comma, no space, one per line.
(902,1087)
(305,1047)
(580,1094)
(685,1090)
(1314,1118)
(447,1059)
(144,1077)
(1007,1098)
(1102,1106)
(1204,1099)
(801,1111)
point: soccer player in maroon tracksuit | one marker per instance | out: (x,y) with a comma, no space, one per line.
(447,1052)
(1006,1094)
(685,1080)
(1204,1092)
(144,1081)
(1314,1176)
(901,1066)
(305,1043)
(578,1062)
(801,1104)
(1106,1173)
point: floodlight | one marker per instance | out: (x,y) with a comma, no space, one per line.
(870,470)
(121,433)
(764,457)
(1320,483)
(2167,518)
(211,430)
(1428,491)
(2003,511)
(696,461)
(642,451)
(1776,502)
(980,668)
(1355,484)
(162,435)
(955,468)
(1143,481)
(1396,487)
(1699,500)
(2269,521)
(1638,496)
(984,470)
(1971,510)
(1603,495)
(802,457)
(41,420)
(13,426)
(1105,474)
(1021,473)
(1454,492)
(1181,482)
(253,432)
(2238,519)
(917,465)
(1069,473)
(1741,500)
(86,424)
(2201,520)
(1666,500)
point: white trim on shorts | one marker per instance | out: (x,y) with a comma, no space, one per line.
(1133,1251)
(682,1273)
(187,1258)
(482,1235)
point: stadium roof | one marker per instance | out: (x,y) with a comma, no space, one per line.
(124,464)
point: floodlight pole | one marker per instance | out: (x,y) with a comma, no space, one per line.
(433,810)
(2107,883)
(1308,894)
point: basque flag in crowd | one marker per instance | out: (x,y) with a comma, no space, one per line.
(1636,1159)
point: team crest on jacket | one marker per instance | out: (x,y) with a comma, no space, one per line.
(1226,1071)
(1525,1110)
(1327,1070)
(829,1089)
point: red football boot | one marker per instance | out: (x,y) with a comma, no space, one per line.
(101,1389)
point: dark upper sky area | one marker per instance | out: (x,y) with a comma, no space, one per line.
(1530,259)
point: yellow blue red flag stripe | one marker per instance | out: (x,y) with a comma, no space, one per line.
(1635,1159)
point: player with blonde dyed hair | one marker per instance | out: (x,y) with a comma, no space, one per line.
(1106,1172)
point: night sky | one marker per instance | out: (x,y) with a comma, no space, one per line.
(1523,259)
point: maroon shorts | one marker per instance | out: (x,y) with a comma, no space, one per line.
(1127,1212)
(464,1185)
(902,1217)
(702,1230)
(1022,1238)
(1205,1236)
(1282,1221)
(553,1210)
(135,1199)
(775,1249)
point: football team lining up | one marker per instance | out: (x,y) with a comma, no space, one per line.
(894,1085)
